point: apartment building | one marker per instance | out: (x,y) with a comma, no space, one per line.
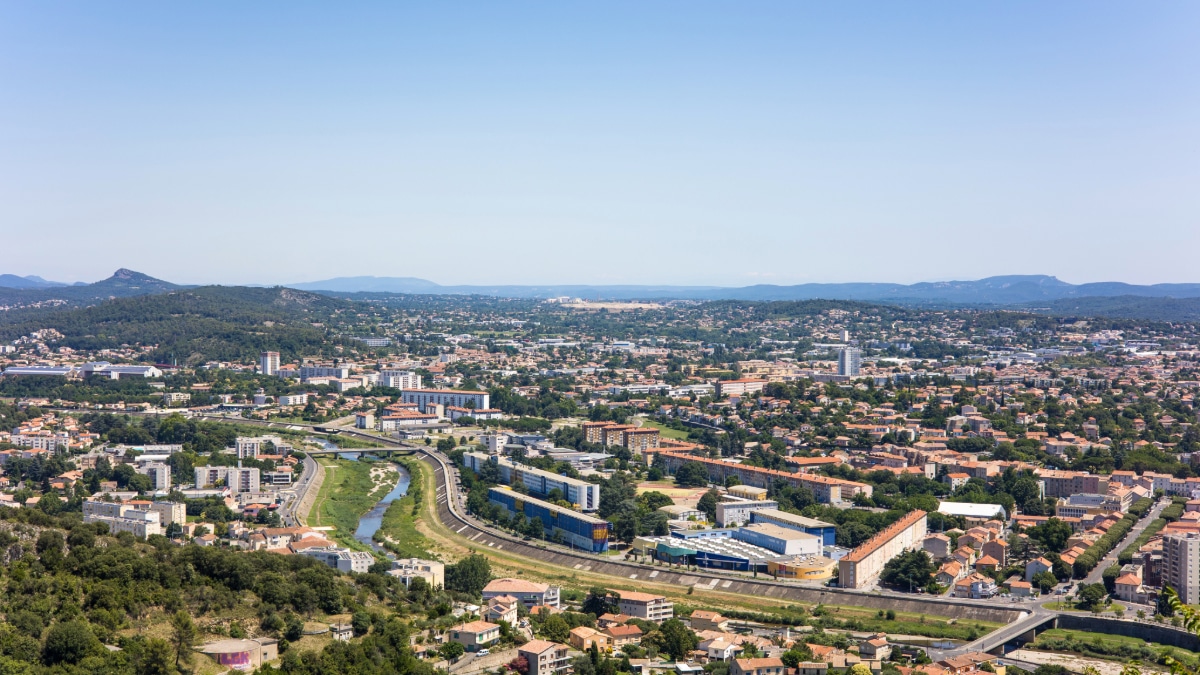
(584,495)
(1066,483)
(159,473)
(863,565)
(761,666)
(1181,565)
(743,387)
(545,657)
(646,606)
(123,518)
(253,446)
(334,372)
(828,490)
(732,513)
(849,362)
(399,379)
(446,397)
(268,363)
(236,478)
(293,399)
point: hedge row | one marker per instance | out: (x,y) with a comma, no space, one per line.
(1096,552)
(1141,507)
(1152,529)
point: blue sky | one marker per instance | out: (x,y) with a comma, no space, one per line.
(663,142)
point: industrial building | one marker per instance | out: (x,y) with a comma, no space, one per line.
(732,512)
(575,529)
(826,531)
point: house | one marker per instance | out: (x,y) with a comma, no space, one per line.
(949,573)
(622,635)
(503,608)
(770,666)
(998,549)
(545,657)
(938,546)
(812,668)
(703,619)
(877,648)
(986,564)
(582,638)
(719,649)
(1020,589)
(976,586)
(611,619)
(475,634)
(342,632)
(529,592)
(1037,566)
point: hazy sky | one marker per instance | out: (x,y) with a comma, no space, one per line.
(645,142)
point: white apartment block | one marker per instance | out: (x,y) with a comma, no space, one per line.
(253,446)
(236,478)
(1181,565)
(123,518)
(268,363)
(293,399)
(446,397)
(336,372)
(399,379)
(645,606)
(407,569)
(159,473)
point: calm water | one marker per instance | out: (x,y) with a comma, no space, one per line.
(369,524)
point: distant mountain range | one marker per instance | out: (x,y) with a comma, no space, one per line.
(1003,290)
(1168,302)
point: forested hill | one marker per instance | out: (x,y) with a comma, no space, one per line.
(123,283)
(1131,307)
(194,325)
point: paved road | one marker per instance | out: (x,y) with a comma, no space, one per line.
(295,498)
(1097,575)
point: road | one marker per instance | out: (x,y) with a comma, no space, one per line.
(295,496)
(1097,575)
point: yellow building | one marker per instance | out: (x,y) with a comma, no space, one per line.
(804,568)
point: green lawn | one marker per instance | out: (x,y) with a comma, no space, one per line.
(1068,606)
(667,432)
(1112,647)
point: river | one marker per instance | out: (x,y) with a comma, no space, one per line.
(369,524)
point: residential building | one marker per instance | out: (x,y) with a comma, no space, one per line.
(531,593)
(268,363)
(545,657)
(503,608)
(582,638)
(742,387)
(123,518)
(1181,565)
(332,372)
(703,619)
(407,569)
(863,565)
(646,606)
(342,560)
(399,379)
(849,362)
(293,399)
(236,478)
(476,635)
(253,446)
(622,635)
(159,473)
(447,397)
(761,666)
(581,493)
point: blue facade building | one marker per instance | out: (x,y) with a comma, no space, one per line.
(576,529)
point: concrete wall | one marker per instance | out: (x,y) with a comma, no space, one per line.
(1150,632)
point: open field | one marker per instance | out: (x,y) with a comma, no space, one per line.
(1121,648)
(684,496)
(666,432)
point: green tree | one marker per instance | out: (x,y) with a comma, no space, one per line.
(556,629)
(691,474)
(69,642)
(708,504)
(183,635)
(1091,595)
(1045,581)
(677,639)
(910,570)
(469,575)
(599,601)
(451,650)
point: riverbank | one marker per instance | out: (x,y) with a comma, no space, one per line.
(398,532)
(349,490)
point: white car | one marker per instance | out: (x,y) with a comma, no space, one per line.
(482,652)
